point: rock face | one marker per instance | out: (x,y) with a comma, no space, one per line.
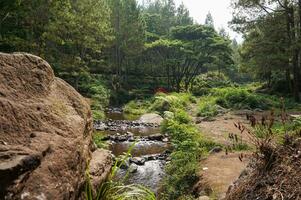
(100,167)
(45,132)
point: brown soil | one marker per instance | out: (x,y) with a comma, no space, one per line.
(218,171)
(219,129)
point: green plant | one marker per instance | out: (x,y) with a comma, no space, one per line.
(98,140)
(98,115)
(207,109)
(136,107)
(204,83)
(181,172)
(237,143)
(181,116)
(239,98)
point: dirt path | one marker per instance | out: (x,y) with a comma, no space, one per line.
(219,170)
(219,129)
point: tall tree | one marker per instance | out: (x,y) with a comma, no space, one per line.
(183,18)
(209,20)
(76,35)
(188,52)
(260,15)
(129,35)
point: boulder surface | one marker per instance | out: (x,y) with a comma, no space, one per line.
(151,118)
(45,132)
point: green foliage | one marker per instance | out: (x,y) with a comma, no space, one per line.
(237,144)
(114,191)
(167,102)
(241,147)
(188,147)
(98,114)
(70,35)
(181,171)
(239,98)
(203,84)
(160,103)
(98,140)
(183,54)
(207,109)
(100,96)
(182,116)
(269,47)
(136,107)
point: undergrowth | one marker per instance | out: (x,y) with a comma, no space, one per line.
(275,169)
(189,146)
(159,103)
(98,140)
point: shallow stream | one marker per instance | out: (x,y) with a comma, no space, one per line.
(153,152)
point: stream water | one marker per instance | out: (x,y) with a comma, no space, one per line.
(148,148)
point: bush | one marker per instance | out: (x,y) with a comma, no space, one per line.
(160,103)
(181,172)
(136,107)
(207,109)
(98,114)
(100,96)
(182,117)
(168,102)
(203,84)
(240,98)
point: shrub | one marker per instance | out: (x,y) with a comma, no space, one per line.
(98,114)
(100,96)
(160,103)
(181,172)
(164,102)
(203,84)
(136,107)
(168,102)
(98,140)
(99,99)
(240,98)
(207,109)
(182,117)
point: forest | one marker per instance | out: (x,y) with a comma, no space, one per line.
(132,59)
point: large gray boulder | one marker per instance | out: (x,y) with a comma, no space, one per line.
(45,132)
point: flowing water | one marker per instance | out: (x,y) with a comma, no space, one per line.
(149,174)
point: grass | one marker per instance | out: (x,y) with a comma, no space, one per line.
(207,107)
(136,107)
(243,97)
(189,146)
(159,103)
(98,139)
(98,115)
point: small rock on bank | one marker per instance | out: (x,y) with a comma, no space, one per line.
(151,118)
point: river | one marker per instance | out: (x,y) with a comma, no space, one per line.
(149,155)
